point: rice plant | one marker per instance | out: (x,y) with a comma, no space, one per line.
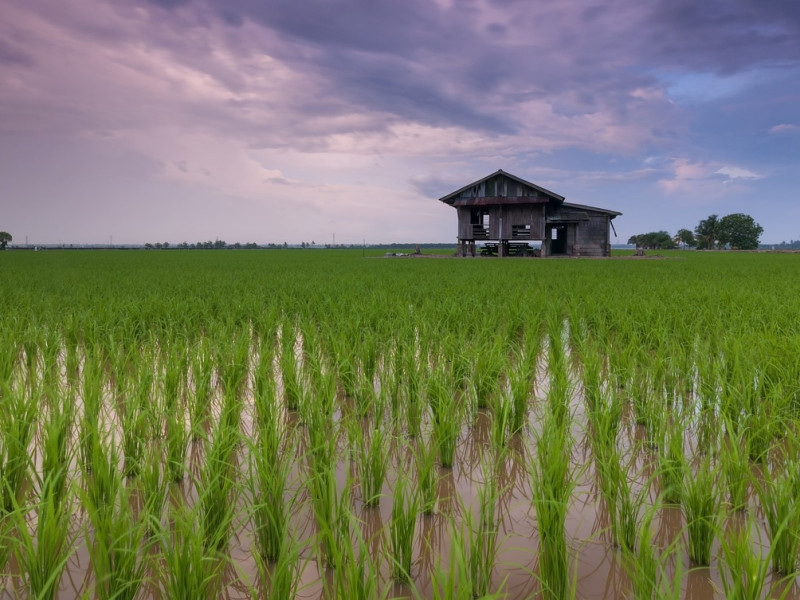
(552,484)
(153,484)
(402,525)
(778,498)
(446,414)
(118,547)
(427,474)
(701,504)
(218,489)
(672,467)
(267,484)
(483,538)
(42,555)
(372,461)
(17,423)
(743,571)
(642,563)
(190,569)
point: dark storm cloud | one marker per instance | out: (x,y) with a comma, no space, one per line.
(725,35)
(12,54)
(467,64)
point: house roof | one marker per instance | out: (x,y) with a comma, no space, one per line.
(611,213)
(450,198)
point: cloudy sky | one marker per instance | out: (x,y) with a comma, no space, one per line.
(277,120)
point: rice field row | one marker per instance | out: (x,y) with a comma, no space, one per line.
(324,425)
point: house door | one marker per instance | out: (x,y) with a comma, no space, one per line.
(558,240)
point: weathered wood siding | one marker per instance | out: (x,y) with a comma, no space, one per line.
(593,236)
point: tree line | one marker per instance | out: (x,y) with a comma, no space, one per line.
(736,231)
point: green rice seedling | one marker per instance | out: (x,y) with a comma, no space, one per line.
(134,437)
(701,504)
(346,366)
(413,374)
(453,582)
(235,366)
(281,578)
(6,540)
(391,382)
(218,489)
(640,395)
(623,504)
(427,474)
(502,421)
(365,397)
(330,505)
(605,417)
(447,415)
(641,563)
(402,525)
(43,554)
(552,484)
(117,548)
(359,576)
(17,426)
(201,396)
(372,461)
(520,379)
(56,452)
(177,445)
(483,538)
(153,489)
(292,383)
(778,498)
(486,371)
(672,466)
(190,569)
(735,470)
(744,573)
(268,479)
(264,391)
(630,506)
(89,433)
(559,385)
(103,480)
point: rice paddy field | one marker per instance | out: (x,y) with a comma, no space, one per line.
(321,424)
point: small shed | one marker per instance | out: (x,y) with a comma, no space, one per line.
(508,215)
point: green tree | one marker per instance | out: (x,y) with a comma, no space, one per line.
(739,231)
(654,240)
(707,233)
(685,238)
(5,237)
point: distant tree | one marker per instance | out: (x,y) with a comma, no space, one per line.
(5,237)
(654,240)
(707,233)
(739,231)
(685,238)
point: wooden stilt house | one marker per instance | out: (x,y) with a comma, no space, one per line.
(507,215)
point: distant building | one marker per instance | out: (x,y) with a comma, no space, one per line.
(509,215)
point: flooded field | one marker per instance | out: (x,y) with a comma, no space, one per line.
(320,425)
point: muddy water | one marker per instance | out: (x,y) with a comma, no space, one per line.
(596,564)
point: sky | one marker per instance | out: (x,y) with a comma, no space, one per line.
(134,121)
